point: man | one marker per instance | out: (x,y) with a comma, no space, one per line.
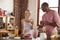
(49,20)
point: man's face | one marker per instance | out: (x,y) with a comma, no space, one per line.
(44,8)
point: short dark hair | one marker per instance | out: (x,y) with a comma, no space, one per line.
(45,4)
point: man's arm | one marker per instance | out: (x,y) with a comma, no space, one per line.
(48,23)
(41,22)
(57,19)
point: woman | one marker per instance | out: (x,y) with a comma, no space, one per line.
(27,25)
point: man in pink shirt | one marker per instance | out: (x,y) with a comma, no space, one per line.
(50,20)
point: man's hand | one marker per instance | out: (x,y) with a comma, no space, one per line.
(53,24)
(48,23)
(44,23)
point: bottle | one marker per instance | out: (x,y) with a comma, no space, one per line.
(43,35)
(16,31)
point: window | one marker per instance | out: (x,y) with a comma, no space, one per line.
(53,4)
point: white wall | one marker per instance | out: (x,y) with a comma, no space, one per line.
(6,5)
(32,6)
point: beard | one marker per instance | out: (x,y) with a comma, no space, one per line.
(44,10)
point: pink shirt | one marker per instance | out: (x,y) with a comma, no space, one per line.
(51,17)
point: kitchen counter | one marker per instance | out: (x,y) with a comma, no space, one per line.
(18,38)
